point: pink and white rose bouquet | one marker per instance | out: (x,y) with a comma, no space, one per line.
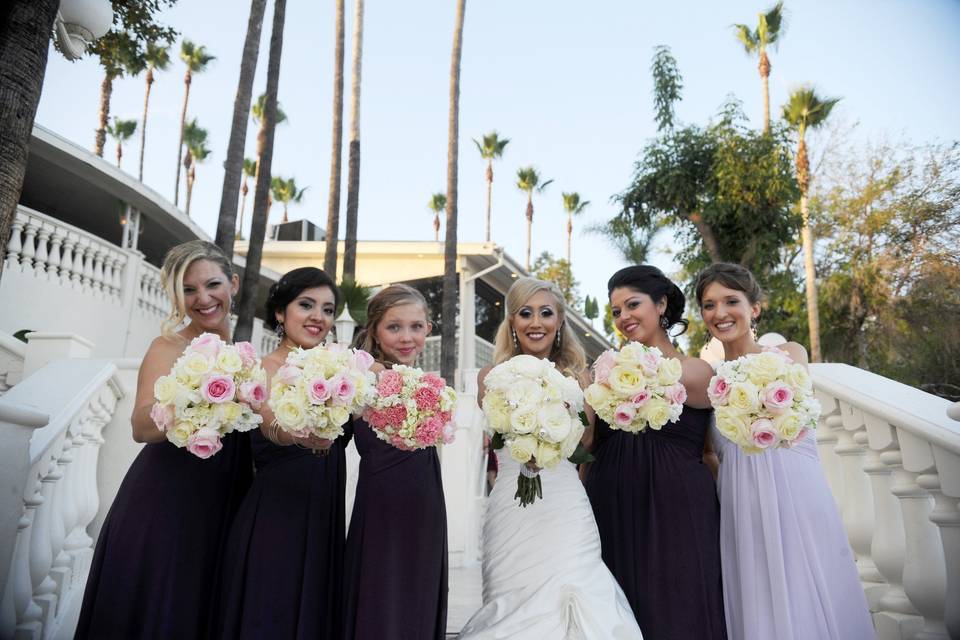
(636,388)
(763,400)
(534,411)
(412,409)
(213,389)
(317,389)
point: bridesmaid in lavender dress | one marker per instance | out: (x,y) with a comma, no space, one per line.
(788,571)
(154,569)
(396,558)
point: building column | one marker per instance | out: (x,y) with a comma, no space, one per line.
(466,334)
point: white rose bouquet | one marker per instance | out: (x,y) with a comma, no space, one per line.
(636,388)
(763,400)
(317,389)
(536,413)
(213,389)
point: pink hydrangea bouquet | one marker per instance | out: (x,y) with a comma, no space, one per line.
(535,412)
(214,388)
(412,409)
(636,388)
(317,389)
(763,400)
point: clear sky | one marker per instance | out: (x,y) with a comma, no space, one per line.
(568,82)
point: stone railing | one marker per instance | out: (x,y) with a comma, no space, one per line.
(430,358)
(11,361)
(50,424)
(892,457)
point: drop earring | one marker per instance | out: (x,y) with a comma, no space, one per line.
(280,331)
(664,323)
(516,341)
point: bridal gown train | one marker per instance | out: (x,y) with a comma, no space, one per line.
(543,577)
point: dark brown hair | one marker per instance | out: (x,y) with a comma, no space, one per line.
(732,276)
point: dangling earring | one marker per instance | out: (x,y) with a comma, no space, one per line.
(516,341)
(557,341)
(280,331)
(233,305)
(754,323)
(664,322)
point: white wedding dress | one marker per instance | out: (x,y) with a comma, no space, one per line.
(543,577)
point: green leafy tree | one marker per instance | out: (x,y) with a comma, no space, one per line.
(591,308)
(529,181)
(249,171)
(558,271)
(196,59)
(195,142)
(437,203)
(574,207)
(490,149)
(156,57)
(667,86)
(121,131)
(285,191)
(755,42)
(806,110)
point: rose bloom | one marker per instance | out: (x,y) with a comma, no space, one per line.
(247,353)
(288,374)
(777,397)
(676,394)
(522,448)
(204,442)
(624,414)
(165,389)
(763,433)
(361,359)
(765,367)
(319,391)
(343,389)
(218,388)
(718,390)
(162,416)
(253,393)
(603,366)
(206,343)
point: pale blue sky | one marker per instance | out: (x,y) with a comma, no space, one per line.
(567,82)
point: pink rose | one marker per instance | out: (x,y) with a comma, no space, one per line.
(640,398)
(650,363)
(253,393)
(248,355)
(218,388)
(206,343)
(779,352)
(162,416)
(603,366)
(449,432)
(391,383)
(426,398)
(319,390)
(289,374)
(625,414)
(433,381)
(800,436)
(361,359)
(777,397)
(718,390)
(334,347)
(204,442)
(763,433)
(343,389)
(676,394)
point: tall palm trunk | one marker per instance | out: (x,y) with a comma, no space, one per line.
(183,121)
(448,305)
(529,226)
(191,176)
(353,159)
(243,204)
(765,67)
(119,153)
(569,235)
(806,236)
(336,153)
(106,91)
(436,227)
(489,193)
(233,165)
(24,44)
(143,124)
(261,194)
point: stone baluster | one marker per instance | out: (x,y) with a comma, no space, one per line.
(43,253)
(88,251)
(945,487)
(76,274)
(857,499)
(61,504)
(830,423)
(97,271)
(29,245)
(66,262)
(18,603)
(118,263)
(924,572)
(53,262)
(15,244)
(41,547)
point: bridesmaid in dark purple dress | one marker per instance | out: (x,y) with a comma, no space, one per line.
(396,573)
(653,493)
(155,566)
(283,564)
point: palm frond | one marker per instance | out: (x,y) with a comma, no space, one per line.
(437,203)
(746,37)
(773,23)
(260,105)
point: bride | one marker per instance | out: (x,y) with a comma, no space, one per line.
(543,577)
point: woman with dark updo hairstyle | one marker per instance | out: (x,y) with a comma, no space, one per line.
(652,492)
(283,566)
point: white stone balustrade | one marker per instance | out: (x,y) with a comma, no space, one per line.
(892,456)
(50,424)
(12,352)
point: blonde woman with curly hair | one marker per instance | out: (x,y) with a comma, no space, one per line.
(153,573)
(543,576)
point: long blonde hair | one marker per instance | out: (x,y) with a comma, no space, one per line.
(384,300)
(175,265)
(569,356)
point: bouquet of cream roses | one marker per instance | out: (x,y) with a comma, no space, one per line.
(536,412)
(636,388)
(317,389)
(213,389)
(412,409)
(763,400)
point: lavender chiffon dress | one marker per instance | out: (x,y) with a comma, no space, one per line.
(788,570)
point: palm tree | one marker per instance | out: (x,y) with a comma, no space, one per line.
(195,140)
(249,171)
(257,113)
(448,300)
(121,131)
(336,147)
(227,229)
(490,150)
(196,58)
(353,159)
(528,181)
(157,57)
(286,191)
(806,110)
(755,41)
(573,207)
(258,224)
(118,54)
(438,202)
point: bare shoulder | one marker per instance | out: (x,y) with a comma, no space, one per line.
(796,351)
(165,348)
(584,378)
(696,369)
(483,373)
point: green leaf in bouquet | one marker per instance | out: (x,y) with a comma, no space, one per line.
(496,441)
(583,418)
(528,489)
(580,455)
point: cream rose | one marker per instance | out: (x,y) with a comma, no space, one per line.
(797,377)
(229,360)
(196,364)
(744,396)
(522,448)
(657,412)
(788,425)
(180,433)
(524,420)
(669,372)
(626,381)
(765,367)
(166,389)
(548,455)
(554,421)
(289,413)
